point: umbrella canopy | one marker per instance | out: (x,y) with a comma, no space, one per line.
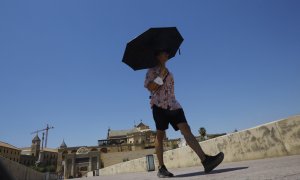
(140,52)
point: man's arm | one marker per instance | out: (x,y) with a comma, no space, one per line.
(152,86)
(150,76)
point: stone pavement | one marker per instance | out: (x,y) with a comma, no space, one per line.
(280,168)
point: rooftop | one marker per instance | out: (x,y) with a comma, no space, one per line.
(114,133)
(4,144)
(27,150)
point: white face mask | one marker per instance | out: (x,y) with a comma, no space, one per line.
(159,81)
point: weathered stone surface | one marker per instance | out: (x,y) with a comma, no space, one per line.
(262,142)
(231,146)
(135,165)
(289,129)
(181,157)
(109,159)
(210,147)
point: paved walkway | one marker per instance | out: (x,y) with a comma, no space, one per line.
(280,168)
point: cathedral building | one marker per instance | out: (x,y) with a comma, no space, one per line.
(137,138)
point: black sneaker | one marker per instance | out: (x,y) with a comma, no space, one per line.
(211,162)
(163,172)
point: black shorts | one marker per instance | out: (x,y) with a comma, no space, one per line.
(163,117)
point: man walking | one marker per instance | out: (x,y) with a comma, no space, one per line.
(166,110)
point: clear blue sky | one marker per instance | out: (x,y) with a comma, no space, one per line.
(60,63)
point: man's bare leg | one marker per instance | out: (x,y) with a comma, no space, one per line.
(191,140)
(160,135)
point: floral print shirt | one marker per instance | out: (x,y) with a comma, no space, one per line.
(164,97)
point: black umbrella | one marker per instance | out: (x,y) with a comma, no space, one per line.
(140,52)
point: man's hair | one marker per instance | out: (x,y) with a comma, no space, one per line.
(159,51)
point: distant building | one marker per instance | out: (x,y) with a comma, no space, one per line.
(128,144)
(10,152)
(171,143)
(139,137)
(33,155)
(77,161)
(182,142)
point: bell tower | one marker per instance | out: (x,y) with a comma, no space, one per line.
(36,146)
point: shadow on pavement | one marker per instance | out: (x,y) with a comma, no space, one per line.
(213,172)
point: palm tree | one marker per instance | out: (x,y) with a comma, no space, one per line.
(202,132)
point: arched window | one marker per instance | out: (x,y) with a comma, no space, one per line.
(82,150)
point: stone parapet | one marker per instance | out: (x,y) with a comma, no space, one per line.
(278,138)
(18,171)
